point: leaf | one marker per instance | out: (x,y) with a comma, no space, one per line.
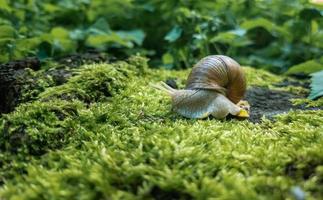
(7,32)
(174,34)
(51,8)
(100,41)
(27,44)
(316,85)
(168,60)
(61,40)
(234,38)
(60,32)
(67,4)
(5,41)
(102,25)
(259,22)
(78,34)
(266,24)
(136,35)
(314,26)
(4,21)
(307,67)
(58,41)
(318,38)
(5,6)
(4,57)
(239,32)
(64,46)
(225,37)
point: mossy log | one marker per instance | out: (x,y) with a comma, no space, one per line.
(19,83)
(13,76)
(106,134)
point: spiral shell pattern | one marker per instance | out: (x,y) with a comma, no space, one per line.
(218,73)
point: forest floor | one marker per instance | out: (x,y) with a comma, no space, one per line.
(98,131)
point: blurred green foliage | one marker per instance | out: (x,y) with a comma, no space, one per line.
(307,67)
(174,34)
(316,85)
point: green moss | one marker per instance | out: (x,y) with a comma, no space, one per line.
(97,82)
(92,83)
(139,63)
(38,127)
(133,147)
(259,77)
(34,85)
(308,102)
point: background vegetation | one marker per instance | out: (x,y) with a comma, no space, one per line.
(174,34)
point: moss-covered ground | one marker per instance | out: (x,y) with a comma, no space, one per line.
(106,134)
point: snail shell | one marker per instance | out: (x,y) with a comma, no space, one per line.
(214,87)
(221,74)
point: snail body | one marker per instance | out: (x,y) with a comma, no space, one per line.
(215,86)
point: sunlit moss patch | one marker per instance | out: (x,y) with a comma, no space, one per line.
(130,145)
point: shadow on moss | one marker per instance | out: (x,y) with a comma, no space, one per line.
(35,128)
(54,121)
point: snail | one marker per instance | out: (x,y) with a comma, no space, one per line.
(215,86)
